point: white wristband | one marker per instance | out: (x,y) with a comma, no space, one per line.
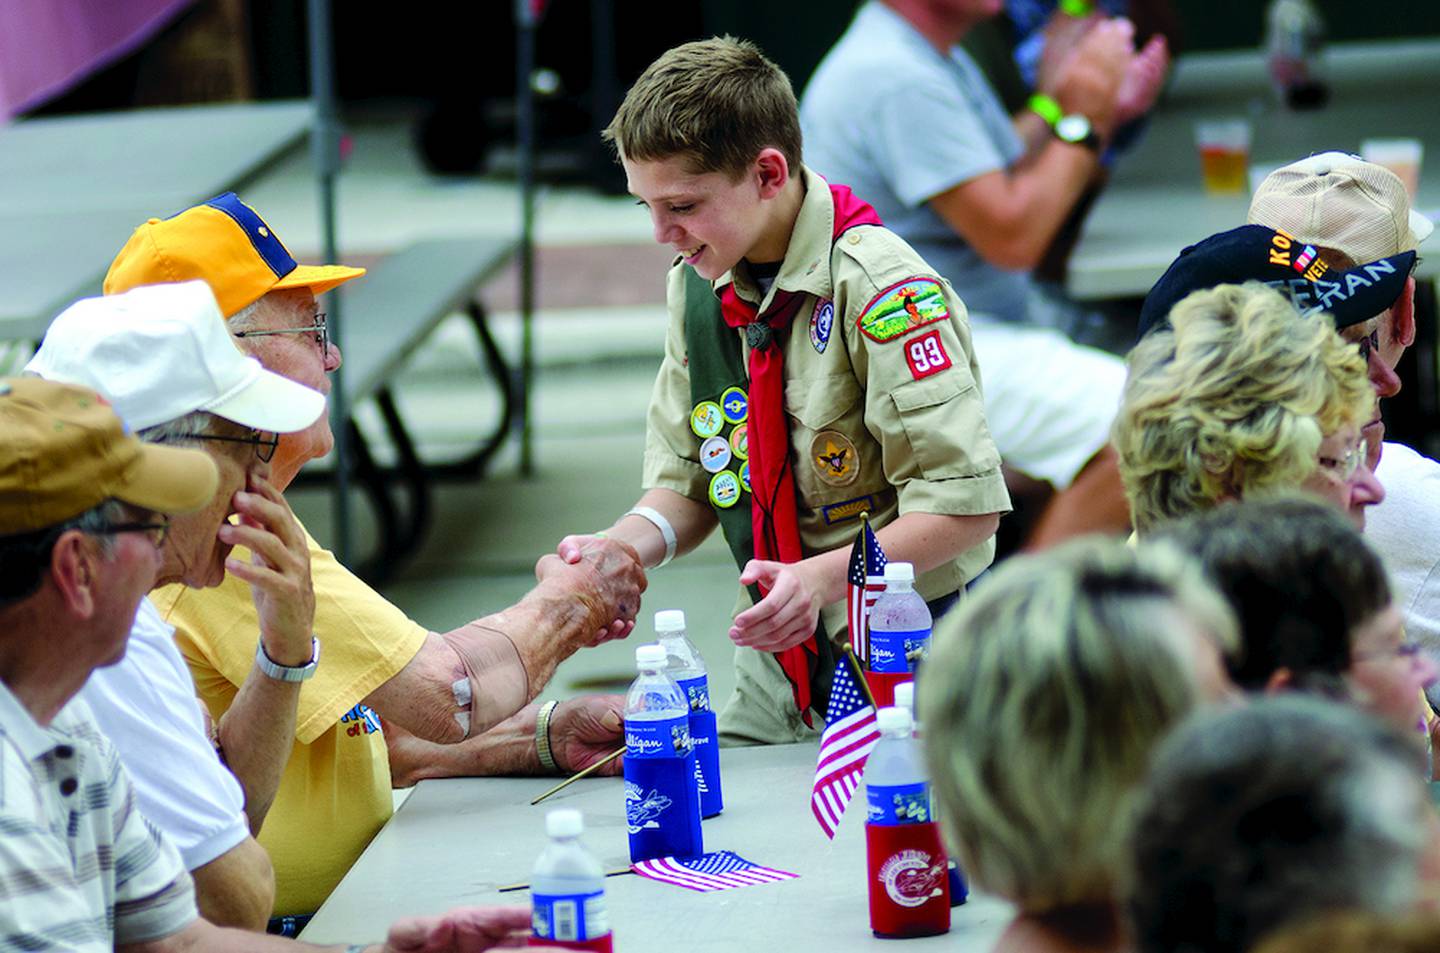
(663,525)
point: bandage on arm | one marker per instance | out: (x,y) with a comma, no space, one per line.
(495,685)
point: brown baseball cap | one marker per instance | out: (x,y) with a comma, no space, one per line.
(224,243)
(63,451)
(1340,201)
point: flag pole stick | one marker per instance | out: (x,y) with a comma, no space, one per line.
(863,638)
(859,674)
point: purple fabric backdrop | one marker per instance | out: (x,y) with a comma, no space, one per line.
(47,46)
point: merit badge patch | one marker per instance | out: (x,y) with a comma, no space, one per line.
(706,419)
(735,404)
(740,441)
(926,355)
(902,308)
(822,322)
(715,454)
(834,458)
(745,476)
(847,509)
(724,489)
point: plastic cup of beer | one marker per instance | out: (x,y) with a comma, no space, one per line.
(1401,156)
(1224,146)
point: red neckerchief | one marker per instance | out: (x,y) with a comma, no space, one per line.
(772,481)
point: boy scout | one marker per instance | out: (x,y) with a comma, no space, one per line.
(815,368)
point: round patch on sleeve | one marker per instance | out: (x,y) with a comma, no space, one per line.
(736,404)
(724,489)
(706,419)
(740,442)
(715,454)
(903,307)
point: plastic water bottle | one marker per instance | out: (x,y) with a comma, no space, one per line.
(908,881)
(896,786)
(567,890)
(905,698)
(688,669)
(1294,44)
(899,633)
(899,623)
(662,802)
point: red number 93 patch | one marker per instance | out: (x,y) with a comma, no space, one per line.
(926,355)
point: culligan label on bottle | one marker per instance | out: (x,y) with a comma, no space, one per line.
(697,692)
(898,650)
(661,738)
(570,917)
(898,803)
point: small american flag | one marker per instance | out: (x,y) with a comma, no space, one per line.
(866,581)
(850,732)
(718,871)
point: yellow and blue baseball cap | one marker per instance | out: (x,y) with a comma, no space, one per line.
(224,243)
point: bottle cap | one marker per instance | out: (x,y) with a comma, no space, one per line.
(566,822)
(893,721)
(899,572)
(905,696)
(650,655)
(670,620)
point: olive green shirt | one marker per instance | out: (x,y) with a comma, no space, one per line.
(886,426)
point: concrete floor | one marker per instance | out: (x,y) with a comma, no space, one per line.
(599,333)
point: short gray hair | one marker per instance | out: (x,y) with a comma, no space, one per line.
(199,422)
(1042,700)
(1256,817)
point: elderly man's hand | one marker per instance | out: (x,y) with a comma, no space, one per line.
(278,571)
(604,573)
(464,930)
(583,730)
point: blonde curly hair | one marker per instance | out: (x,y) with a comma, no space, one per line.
(1042,700)
(1232,400)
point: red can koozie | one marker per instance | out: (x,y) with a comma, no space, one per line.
(909,889)
(601,944)
(882,685)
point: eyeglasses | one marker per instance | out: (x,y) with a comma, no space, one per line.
(1405,650)
(156,531)
(319,329)
(263,441)
(1369,344)
(1345,467)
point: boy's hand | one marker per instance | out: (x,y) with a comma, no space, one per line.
(786,616)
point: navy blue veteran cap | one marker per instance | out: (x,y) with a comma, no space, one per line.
(1268,255)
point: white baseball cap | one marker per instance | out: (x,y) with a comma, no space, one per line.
(1340,201)
(159,352)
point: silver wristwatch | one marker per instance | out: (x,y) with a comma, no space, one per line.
(287,673)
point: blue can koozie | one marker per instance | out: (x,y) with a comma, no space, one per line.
(705,736)
(662,800)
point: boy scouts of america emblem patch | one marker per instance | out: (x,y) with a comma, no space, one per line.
(834,457)
(822,321)
(903,307)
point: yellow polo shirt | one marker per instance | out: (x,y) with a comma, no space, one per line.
(335,793)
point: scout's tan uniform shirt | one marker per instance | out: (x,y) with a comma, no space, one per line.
(890,421)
